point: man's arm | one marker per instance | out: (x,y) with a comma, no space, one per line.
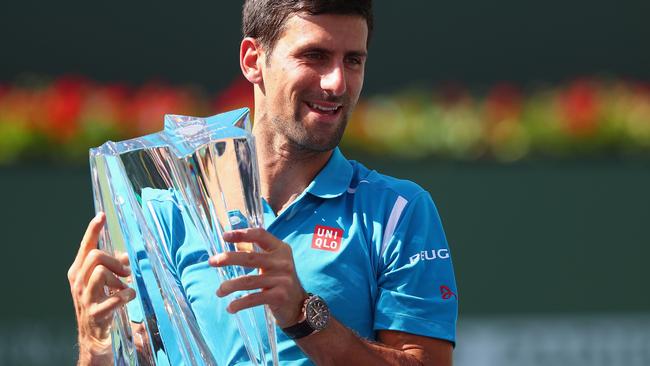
(336,343)
(428,351)
(282,292)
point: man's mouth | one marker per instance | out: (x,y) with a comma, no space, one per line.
(325,107)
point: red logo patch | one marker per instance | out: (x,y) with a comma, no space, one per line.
(447,293)
(327,238)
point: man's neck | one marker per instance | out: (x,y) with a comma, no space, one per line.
(285,169)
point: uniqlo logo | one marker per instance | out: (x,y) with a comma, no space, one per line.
(327,238)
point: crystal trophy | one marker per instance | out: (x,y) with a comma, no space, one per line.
(208,167)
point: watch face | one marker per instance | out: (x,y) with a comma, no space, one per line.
(317,313)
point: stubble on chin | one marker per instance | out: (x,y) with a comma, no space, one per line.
(300,140)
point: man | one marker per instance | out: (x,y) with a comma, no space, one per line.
(370,246)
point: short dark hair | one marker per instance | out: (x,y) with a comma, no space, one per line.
(264,19)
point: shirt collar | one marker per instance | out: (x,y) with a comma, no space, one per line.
(334,179)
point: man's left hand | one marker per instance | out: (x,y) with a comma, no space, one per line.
(277,279)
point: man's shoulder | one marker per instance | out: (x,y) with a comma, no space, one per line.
(371,182)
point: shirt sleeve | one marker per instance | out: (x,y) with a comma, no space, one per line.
(416,283)
(163,215)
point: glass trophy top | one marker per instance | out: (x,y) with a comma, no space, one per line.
(185,134)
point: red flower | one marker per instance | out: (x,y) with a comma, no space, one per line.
(580,108)
(238,94)
(4,90)
(62,107)
(150,104)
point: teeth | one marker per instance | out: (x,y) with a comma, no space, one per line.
(321,108)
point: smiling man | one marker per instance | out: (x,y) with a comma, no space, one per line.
(346,264)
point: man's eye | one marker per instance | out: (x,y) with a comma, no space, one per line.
(314,56)
(354,61)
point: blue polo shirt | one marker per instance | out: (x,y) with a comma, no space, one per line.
(371,245)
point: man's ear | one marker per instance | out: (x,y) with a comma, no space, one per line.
(250,60)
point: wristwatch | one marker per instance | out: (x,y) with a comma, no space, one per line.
(315,316)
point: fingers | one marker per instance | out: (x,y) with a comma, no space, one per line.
(104,309)
(280,287)
(101,277)
(250,282)
(98,257)
(245,259)
(265,240)
(123,258)
(91,272)
(273,298)
(88,242)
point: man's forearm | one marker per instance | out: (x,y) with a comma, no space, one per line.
(336,345)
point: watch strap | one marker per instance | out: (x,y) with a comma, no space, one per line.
(302,328)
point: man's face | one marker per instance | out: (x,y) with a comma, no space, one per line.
(313,78)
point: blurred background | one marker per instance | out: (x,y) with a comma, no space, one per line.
(529,123)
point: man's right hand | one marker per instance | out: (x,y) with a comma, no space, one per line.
(91,272)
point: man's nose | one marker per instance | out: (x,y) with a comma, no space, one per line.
(334,80)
